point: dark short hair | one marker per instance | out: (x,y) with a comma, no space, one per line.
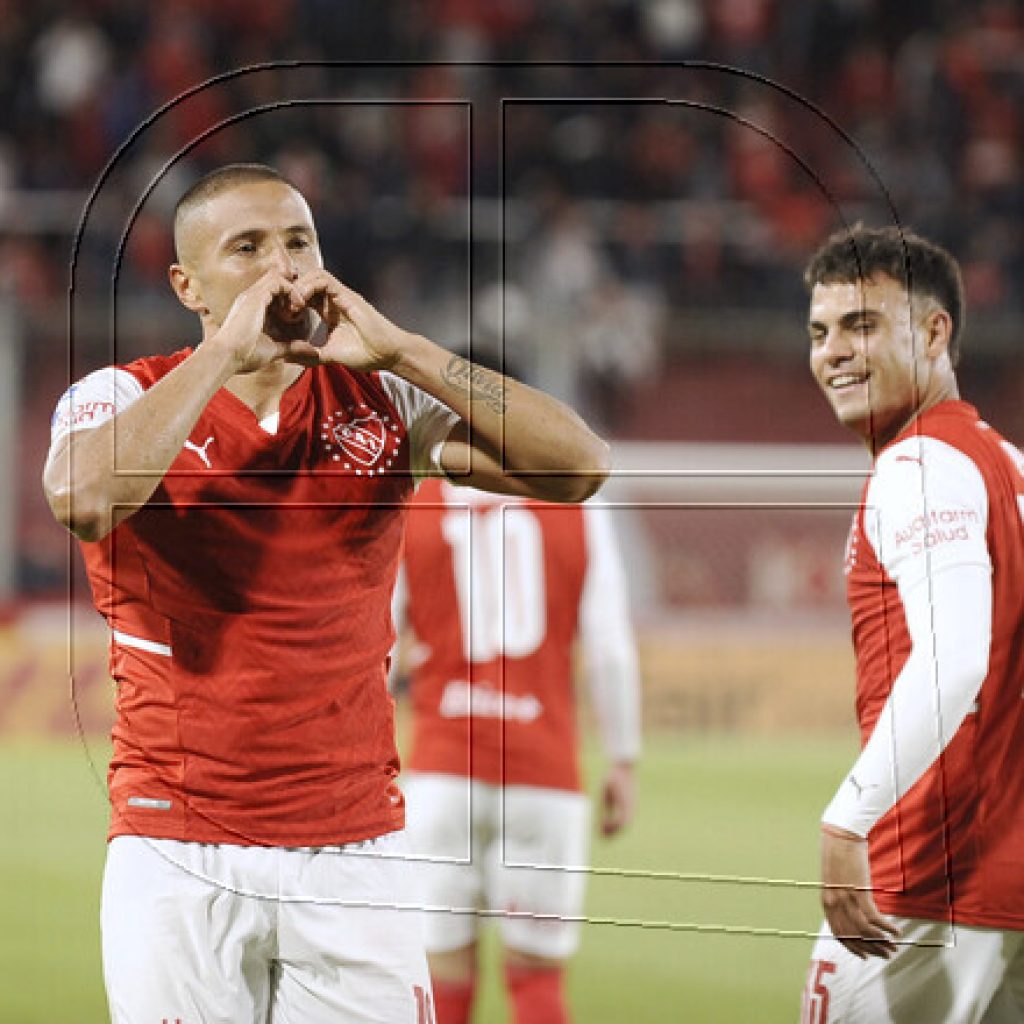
(921,267)
(222,179)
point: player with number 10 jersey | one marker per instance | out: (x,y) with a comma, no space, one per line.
(497,593)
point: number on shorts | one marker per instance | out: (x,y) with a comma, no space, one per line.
(814,1009)
(424,1005)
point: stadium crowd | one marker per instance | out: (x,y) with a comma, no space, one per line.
(595,198)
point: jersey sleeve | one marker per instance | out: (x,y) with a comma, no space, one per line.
(427,420)
(93,400)
(606,636)
(926,510)
(926,517)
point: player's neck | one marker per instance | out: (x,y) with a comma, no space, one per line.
(946,391)
(262,390)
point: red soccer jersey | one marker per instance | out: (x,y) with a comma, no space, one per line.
(250,603)
(953,846)
(485,576)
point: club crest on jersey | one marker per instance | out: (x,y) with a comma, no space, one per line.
(360,439)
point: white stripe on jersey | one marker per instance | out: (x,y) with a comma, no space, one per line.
(127,640)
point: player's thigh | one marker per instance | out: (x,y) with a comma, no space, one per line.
(440,811)
(179,940)
(939,974)
(1007,1006)
(350,945)
(537,875)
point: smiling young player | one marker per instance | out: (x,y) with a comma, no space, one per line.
(923,843)
(241,507)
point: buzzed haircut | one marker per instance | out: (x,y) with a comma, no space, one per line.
(222,179)
(921,267)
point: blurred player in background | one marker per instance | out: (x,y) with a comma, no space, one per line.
(927,829)
(496,595)
(241,507)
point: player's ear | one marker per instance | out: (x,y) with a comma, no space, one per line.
(186,287)
(938,327)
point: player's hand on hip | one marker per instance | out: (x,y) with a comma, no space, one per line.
(846,896)
(358,336)
(618,799)
(268,321)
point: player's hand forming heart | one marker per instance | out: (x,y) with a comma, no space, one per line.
(358,336)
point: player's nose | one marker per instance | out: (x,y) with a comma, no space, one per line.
(836,346)
(285,262)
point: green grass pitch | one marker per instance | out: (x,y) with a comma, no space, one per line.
(700,913)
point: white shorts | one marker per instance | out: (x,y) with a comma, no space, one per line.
(517,853)
(217,934)
(942,974)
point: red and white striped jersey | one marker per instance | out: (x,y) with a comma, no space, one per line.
(497,591)
(250,606)
(953,846)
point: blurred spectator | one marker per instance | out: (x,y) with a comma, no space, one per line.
(619,338)
(71,61)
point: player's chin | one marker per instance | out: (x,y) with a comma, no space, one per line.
(283,329)
(853,416)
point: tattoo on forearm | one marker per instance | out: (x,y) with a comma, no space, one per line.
(483,385)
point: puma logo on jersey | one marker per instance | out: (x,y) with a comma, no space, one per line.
(860,789)
(201,451)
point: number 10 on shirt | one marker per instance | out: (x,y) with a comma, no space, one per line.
(498,557)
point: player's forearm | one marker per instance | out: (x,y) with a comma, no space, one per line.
(615,693)
(949,618)
(104,474)
(606,636)
(535,434)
